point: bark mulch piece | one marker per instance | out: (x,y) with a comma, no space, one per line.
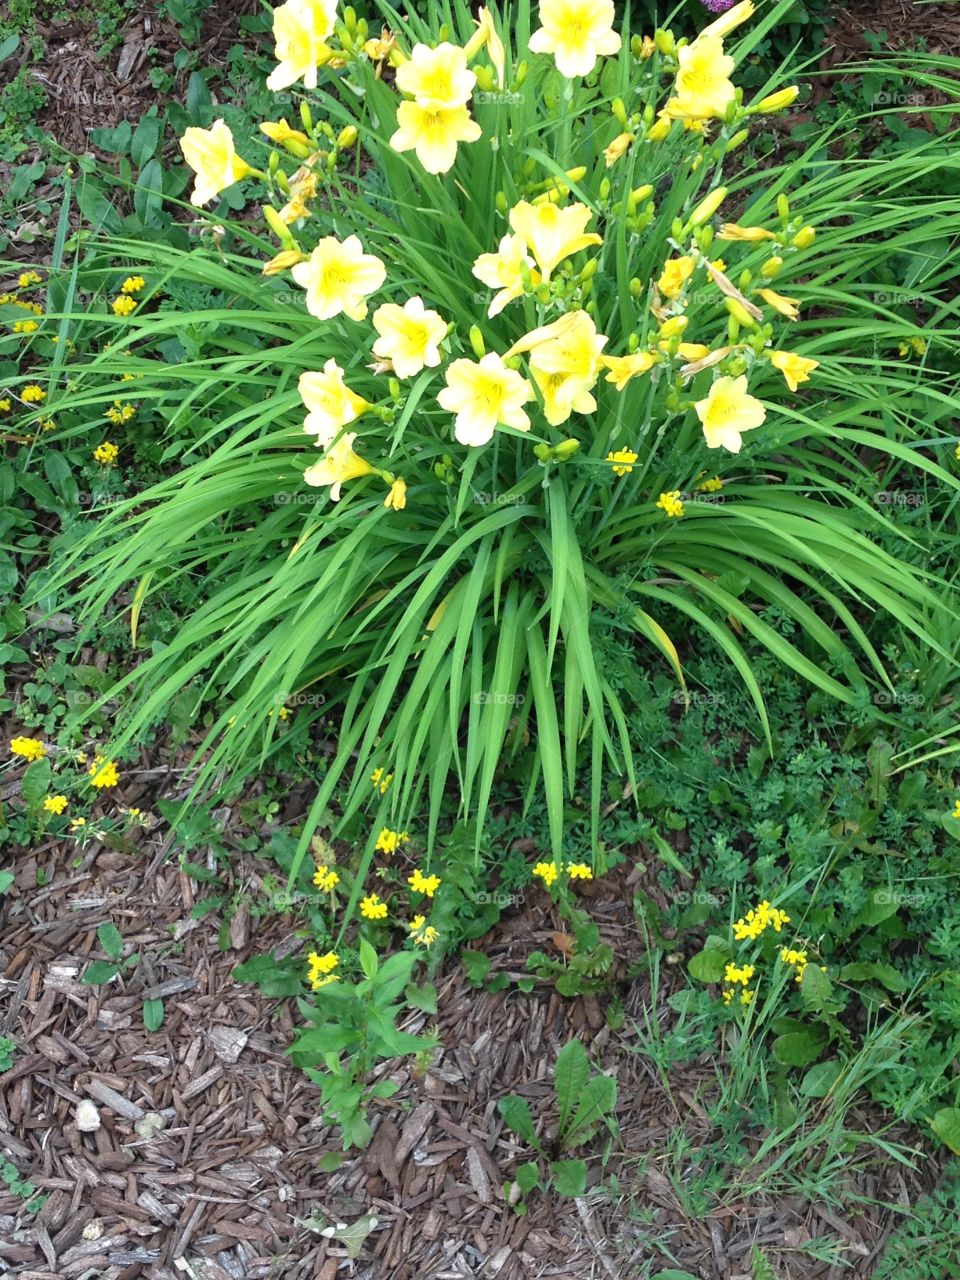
(194,1151)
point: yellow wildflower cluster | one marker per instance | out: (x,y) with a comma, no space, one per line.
(29,748)
(670,504)
(119,413)
(106,454)
(32,394)
(320,969)
(549,872)
(381,780)
(419,883)
(55,804)
(133,284)
(25,326)
(390,841)
(758,919)
(736,975)
(103,773)
(325,878)
(423,934)
(798,959)
(956,809)
(123,305)
(371,908)
(622,461)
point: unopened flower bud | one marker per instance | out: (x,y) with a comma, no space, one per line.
(707,207)
(776,101)
(486,82)
(664,41)
(347,136)
(673,327)
(657,132)
(771,267)
(604,189)
(619,112)
(565,449)
(738,140)
(521,73)
(739,313)
(804,238)
(636,287)
(306,117)
(502,203)
(394,386)
(476,341)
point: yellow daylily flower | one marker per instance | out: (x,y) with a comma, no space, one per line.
(410,336)
(396,499)
(563,394)
(675,273)
(437,77)
(574,349)
(302,189)
(502,270)
(789,307)
(281,132)
(338,277)
(484,395)
(338,465)
(300,31)
(795,369)
(703,87)
(623,368)
(727,412)
(617,147)
(552,234)
(433,132)
(331,404)
(486,36)
(576,32)
(212,156)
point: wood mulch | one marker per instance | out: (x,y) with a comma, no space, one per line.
(205,1163)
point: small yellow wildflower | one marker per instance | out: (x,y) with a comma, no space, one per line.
(29,748)
(25,326)
(123,304)
(420,883)
(426,937)
(47,424)
(547,871)
(396,499)
(390,841)
(734,974)
(325,879)
(106,454)
(579,871)
(371,908)
(32,394)
(670,504)
(5,405)
(320,970)
(758,919)
(103,773)
(714,485)
(956,809)
(133,284)
(27,278)
(746,997)
(77,823)
(622,461)
(55,804)
(381,780)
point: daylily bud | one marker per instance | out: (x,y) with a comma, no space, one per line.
(394,387)
(350,18)
(636,287)
(657,132)
(744,282)
(306,117)
(273,164)
(665,42)
(783,207)
(476,341)
(521,73)
(771,267)
(485,79)
(638,194)
(739,313)
(543,452)
(347,137)
(279,227)
(738,140)
(578,173)
(673,327)
(730,20)
(619,112)
(776,101)
(804,238)
(604,189)
(589,270)
(502,203)
(282,262)
(708,207)
(736,366)
(565,449)
(633,342)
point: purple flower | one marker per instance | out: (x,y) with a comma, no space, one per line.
(718,6)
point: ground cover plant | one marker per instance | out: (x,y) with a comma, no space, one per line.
(502,450)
